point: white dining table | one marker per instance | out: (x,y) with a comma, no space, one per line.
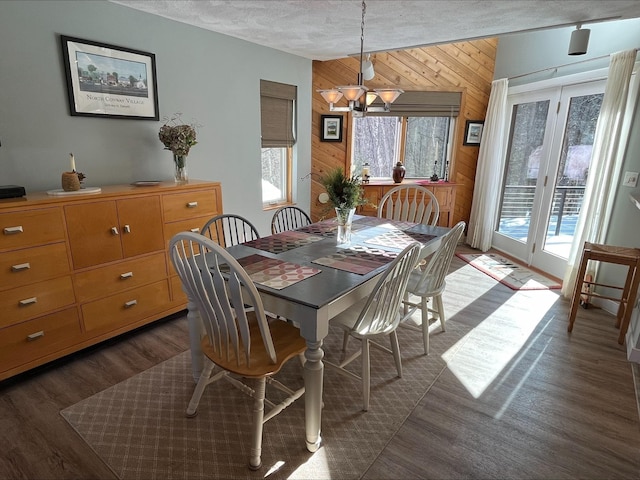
(311,303)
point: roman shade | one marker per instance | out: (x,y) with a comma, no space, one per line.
(277,114)
(422,104)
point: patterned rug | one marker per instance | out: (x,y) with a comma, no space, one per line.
(139,429)
(508,272)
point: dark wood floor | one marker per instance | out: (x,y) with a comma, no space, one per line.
(520,398)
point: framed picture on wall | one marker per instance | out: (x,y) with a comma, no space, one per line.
(331,128)
(473,132)
(109,81)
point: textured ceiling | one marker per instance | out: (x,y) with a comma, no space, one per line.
(330,29)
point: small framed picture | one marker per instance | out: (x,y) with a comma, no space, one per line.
(331,128)
(109,81)
(473,132)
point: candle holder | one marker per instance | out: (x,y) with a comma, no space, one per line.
(70,181)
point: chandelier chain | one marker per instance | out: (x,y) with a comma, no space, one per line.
(364,10)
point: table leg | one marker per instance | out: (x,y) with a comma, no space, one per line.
(313,372)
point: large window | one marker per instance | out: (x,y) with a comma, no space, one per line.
(278,129)
(422,144)
(417,132)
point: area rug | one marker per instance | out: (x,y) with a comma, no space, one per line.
(139,429)
(508,272)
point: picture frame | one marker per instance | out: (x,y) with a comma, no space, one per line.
(331,128)
(473,132)
(109,81)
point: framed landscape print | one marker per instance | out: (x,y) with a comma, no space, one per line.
(331,128)
(473,132)
(109,81)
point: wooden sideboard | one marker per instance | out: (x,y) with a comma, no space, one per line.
(76,270)
(445,192)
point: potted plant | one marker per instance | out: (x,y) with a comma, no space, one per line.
(345,194)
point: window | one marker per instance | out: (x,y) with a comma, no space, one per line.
(417,132)
(278,130)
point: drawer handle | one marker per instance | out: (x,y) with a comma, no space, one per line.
(130,303)
(22,266)
(114,230)
(28,301)
(195,230)
(124,276)
(34,336)
(127,229)
(192,204)
(13,230)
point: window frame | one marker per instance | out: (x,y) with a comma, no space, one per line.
(400,148)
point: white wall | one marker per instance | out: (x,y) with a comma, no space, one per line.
(212,79)
(530,52)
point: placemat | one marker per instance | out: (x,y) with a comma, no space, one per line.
(283,242)
(357,259)
(399,239)
(275,273)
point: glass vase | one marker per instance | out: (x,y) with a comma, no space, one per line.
(344,217)
(180,162)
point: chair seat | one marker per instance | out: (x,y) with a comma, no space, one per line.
(349,317)
(629,257)
(286,340)
(427,288)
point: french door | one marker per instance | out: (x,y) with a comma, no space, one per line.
(547,160)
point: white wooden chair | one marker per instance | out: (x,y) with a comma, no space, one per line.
(377,314)
(410,203)
(236,341)
(289,218)
(428,281)
(228,230)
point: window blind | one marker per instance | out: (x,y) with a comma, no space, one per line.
(277,114)
(422,104)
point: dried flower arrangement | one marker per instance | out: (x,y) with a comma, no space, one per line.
(177,137)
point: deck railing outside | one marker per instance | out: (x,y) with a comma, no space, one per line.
(518,203)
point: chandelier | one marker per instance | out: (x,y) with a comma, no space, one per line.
(354,93)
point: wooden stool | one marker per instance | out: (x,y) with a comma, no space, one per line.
(609,254)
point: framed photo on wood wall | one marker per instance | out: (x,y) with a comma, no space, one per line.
(331,128)
(473,132)
(108,81)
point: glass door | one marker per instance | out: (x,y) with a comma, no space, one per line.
(550,139)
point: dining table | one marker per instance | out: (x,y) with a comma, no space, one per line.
(307,278)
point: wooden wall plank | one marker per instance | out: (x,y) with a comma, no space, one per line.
(465,67)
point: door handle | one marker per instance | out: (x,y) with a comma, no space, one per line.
(127,229)
(114,231)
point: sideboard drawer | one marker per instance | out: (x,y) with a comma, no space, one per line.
(31,227)
(177,292)
(28,265)
(111,279)
(122,308)
(34,339)
(190,225)
(181,206)
(27,302)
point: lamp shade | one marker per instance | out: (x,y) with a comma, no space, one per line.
(352,92)
(367,70)
(331,96)
(388,95)
(579,41)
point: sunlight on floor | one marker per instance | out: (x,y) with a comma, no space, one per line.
(481,355)
(318,463)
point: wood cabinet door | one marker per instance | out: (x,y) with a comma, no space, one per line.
(141,225)
(92,237)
